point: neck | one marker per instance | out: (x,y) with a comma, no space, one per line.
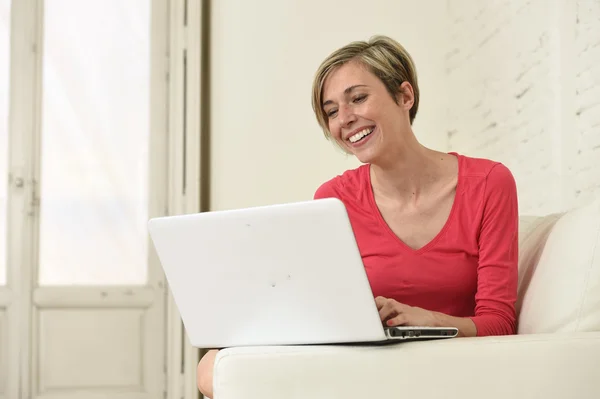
(406,173)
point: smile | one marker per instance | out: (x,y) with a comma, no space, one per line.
(360,135)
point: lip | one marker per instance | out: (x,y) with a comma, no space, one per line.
(364,140)
(352,133)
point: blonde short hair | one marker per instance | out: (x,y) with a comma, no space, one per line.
(382,56)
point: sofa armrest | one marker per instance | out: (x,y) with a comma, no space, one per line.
(520,366)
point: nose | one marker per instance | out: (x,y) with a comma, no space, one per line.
(346,116)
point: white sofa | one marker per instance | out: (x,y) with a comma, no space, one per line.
(556,353)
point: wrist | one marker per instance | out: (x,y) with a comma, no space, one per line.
(439,320)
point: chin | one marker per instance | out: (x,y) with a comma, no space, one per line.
(369,151)
(367,156)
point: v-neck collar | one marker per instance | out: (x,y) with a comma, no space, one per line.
(386,227)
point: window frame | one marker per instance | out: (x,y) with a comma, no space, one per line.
(175,169)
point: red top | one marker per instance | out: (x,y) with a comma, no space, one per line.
(468,270)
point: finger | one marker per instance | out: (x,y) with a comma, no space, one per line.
(399,320)
(380,301)
(388,310)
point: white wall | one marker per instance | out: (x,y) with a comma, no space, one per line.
(514,81)
(266,146)
(524,79)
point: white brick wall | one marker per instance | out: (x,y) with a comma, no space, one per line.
(524,89)
(586,159)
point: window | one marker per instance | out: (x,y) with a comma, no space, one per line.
(95,142)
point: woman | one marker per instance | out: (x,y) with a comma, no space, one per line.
(437,231)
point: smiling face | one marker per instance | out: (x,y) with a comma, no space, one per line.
(362,115)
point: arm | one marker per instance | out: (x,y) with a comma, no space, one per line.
(394,313)
(497,272)
(466,326)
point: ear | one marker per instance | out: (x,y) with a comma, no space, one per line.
(406,96)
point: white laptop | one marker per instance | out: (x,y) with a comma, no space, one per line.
(288,274)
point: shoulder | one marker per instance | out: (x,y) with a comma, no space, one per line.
(344,185)
(493,174)
(491,190)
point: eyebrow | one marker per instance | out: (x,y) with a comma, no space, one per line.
(347,91)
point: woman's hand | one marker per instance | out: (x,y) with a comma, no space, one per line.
(394,313)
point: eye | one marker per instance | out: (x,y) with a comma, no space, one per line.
(359,99)
(331,113)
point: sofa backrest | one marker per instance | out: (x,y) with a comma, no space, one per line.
(559,272)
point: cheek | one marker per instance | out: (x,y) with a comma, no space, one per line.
(370,112)
(334,129)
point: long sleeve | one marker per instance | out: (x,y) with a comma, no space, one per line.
(497,272)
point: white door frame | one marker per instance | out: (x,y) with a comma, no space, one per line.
(147,299)
(180,93)
(23,126)
(185,189)
(18,297)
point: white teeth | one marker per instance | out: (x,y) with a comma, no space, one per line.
(365,132)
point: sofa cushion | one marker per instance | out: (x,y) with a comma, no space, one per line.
(561,291)
(533,233)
